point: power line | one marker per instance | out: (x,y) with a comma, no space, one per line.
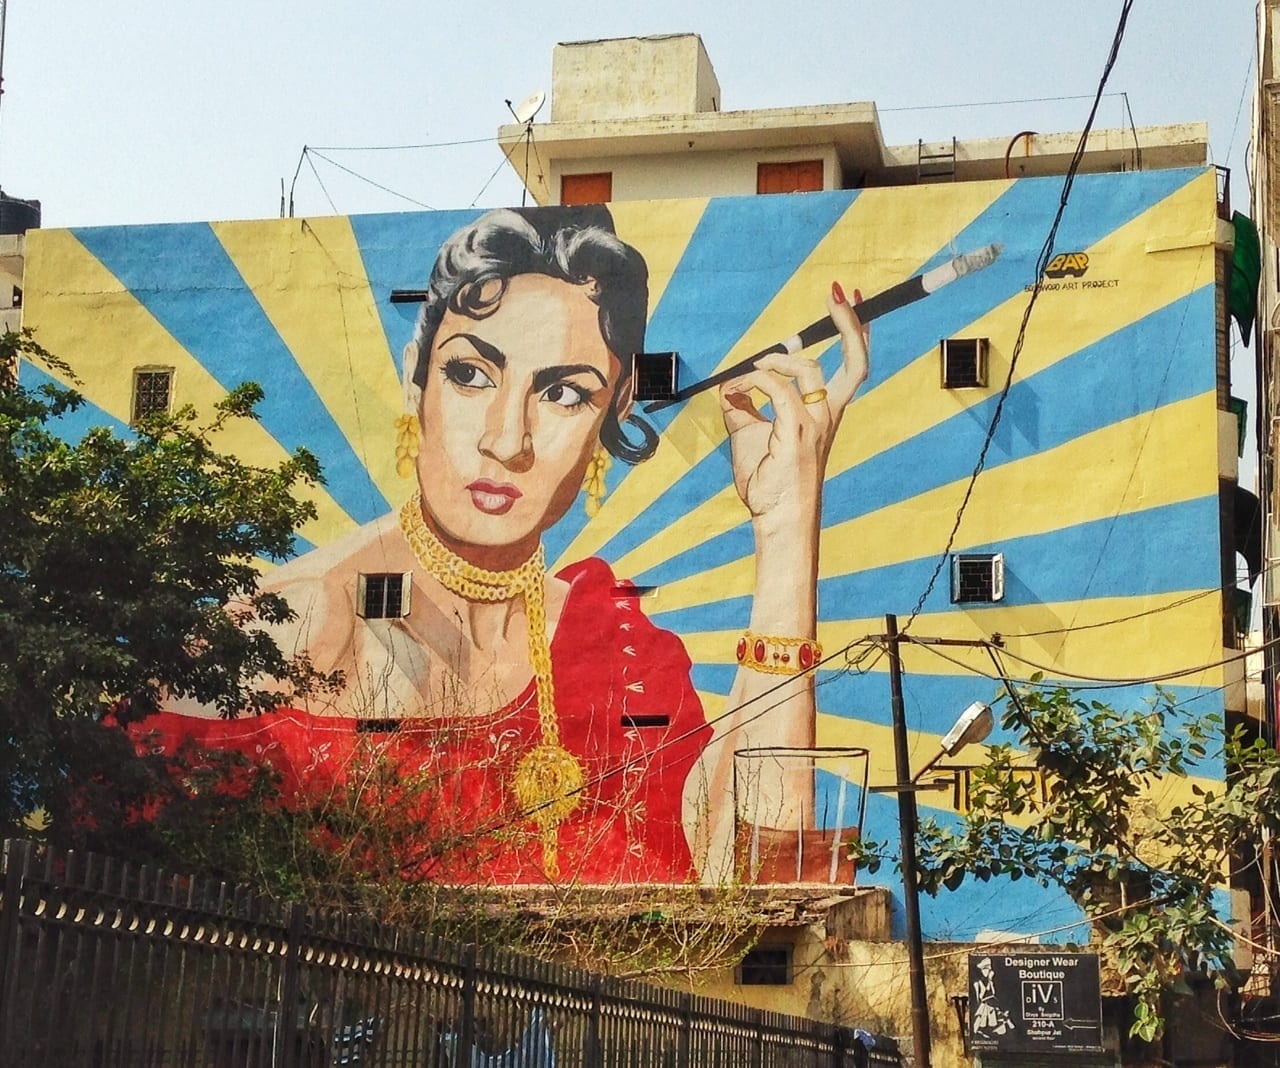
(1239,654)
(1042,263)
(320,181)
(995,103)
(400,148)
(370,181)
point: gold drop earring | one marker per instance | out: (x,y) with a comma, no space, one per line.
(408,442)
(594,481)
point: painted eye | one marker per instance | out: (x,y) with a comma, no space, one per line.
(565,395)
(464,373)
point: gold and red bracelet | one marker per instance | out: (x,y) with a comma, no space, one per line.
(778,656)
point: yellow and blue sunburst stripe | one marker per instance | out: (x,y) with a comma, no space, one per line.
(308,278)
(1145,364)
(183,277)
(901,406)
(397,250)
(1130,465)
(692,322)
(726,277)
(67,287)
(1127,555)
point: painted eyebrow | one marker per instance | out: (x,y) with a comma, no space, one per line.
(549,376)
(490,352)
(542,379)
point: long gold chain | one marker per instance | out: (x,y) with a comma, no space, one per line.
(548,781)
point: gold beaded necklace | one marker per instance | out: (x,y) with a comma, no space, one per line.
(548,781)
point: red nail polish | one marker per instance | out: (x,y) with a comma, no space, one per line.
(857,296)
(837,293)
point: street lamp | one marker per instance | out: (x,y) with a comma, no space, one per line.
(973,726)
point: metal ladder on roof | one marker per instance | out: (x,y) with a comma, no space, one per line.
(935,166)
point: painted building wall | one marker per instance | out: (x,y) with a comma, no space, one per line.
(1100,491)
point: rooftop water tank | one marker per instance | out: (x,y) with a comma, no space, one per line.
(17,216)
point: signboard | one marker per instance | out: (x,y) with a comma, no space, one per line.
(1021,1003)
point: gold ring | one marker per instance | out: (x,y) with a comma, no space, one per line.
(813,397)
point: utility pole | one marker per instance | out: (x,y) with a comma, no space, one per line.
(907,821)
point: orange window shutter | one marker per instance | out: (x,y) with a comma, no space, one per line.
(586,188)
(792,176)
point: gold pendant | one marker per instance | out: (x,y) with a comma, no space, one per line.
(548,786)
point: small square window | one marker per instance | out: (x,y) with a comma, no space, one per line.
(977,577)
(382,596)
(964,362)
(152,392)
(655,375)
(765,966)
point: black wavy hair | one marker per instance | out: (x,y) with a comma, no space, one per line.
(577,245)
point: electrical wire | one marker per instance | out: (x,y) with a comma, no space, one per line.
(400,148)
(506,158)
(994,103)
(1171,606)
(642,759)
(1238,654)
(1042,263)
(319,181)
(369,181)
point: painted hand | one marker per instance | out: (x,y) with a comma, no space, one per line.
(781,462)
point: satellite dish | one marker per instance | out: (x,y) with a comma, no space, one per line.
(529,107)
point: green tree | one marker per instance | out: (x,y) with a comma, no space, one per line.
(1122,827)
(127,573)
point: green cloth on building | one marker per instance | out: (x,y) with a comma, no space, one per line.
(1246,269)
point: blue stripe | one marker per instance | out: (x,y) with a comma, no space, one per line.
(1019,218)
(76,423)
(958,915)
(1153,551)
(398,250)
(183,276)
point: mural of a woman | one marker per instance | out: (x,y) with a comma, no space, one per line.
(555,704)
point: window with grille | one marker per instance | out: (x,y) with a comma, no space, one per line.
(654,374)
(382,596)
(152,391)
(765,966)
(964,362)
(977,578)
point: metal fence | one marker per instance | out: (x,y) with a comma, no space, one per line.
(108,965)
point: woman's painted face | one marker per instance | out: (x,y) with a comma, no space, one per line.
(511,412)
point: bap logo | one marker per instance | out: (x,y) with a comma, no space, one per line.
(1067,263)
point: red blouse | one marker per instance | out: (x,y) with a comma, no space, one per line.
(626,709)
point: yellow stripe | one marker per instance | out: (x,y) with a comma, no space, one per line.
(1132,465)
(309,278)
(662,232)
(82,313)
(913,223)
(911,402)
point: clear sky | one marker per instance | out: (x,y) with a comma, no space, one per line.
(160,110)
